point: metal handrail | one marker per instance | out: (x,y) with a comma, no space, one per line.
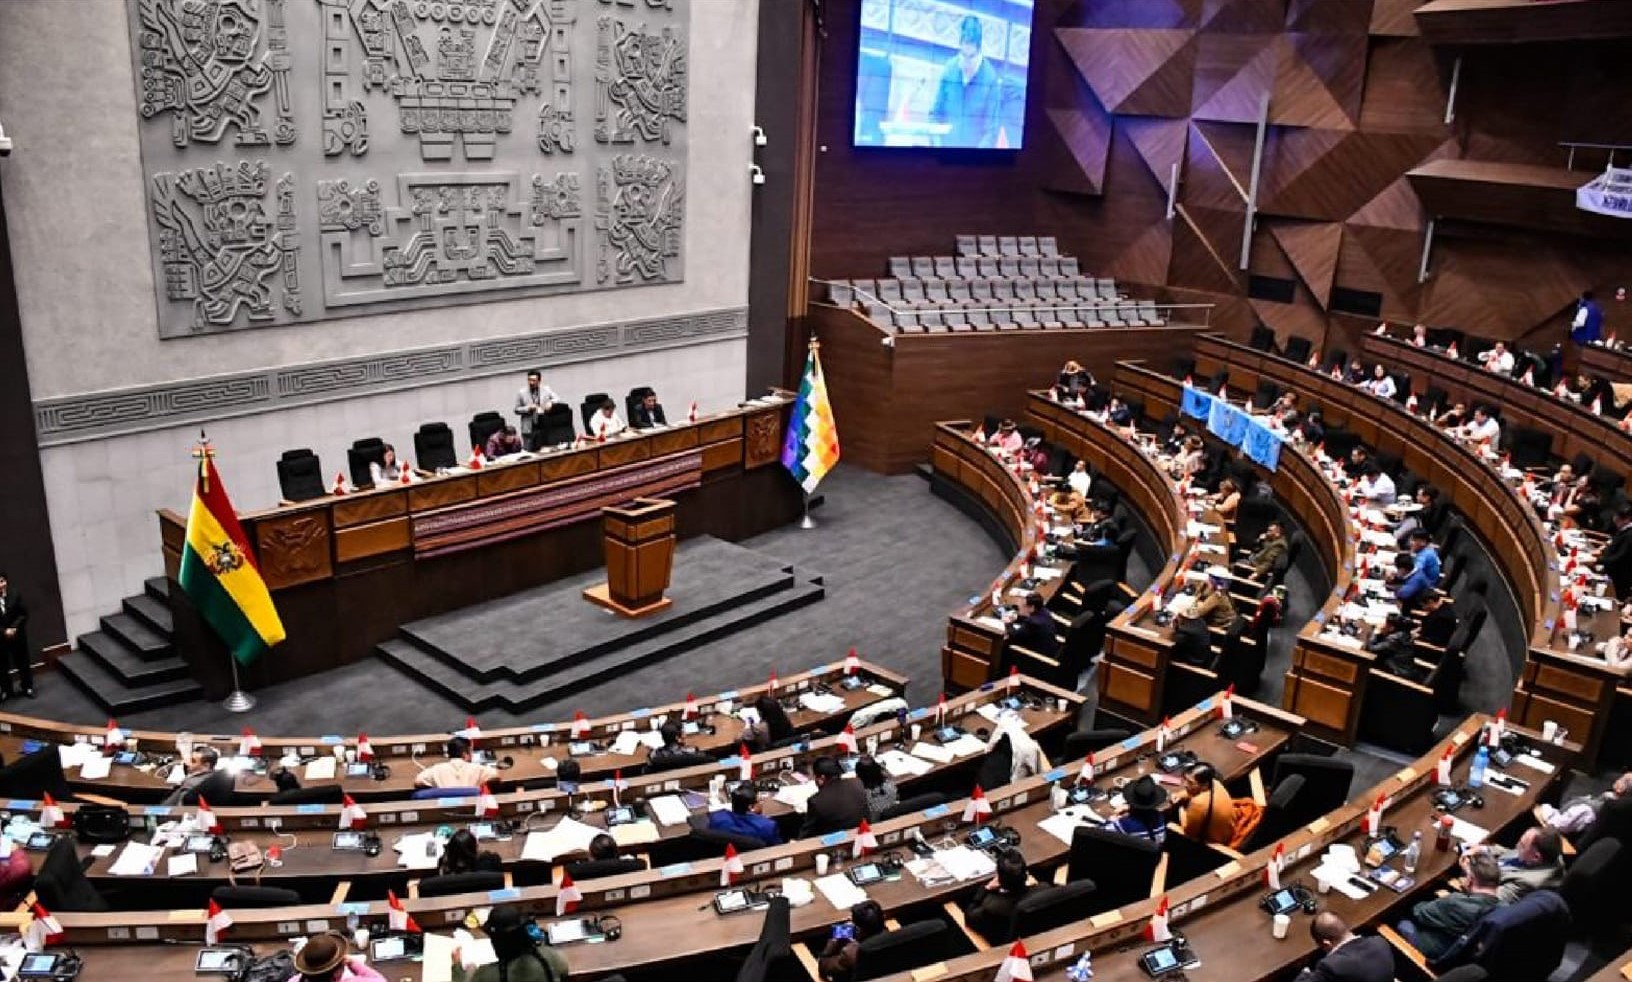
(870,299)
(1575,145)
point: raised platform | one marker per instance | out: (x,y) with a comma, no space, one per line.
(540,645)
(130,664)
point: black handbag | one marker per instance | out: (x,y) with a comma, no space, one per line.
(99,824)
(278,967)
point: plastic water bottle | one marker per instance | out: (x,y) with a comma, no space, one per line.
(1476,773)
(1413,852)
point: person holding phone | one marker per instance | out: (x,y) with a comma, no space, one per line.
(837,962)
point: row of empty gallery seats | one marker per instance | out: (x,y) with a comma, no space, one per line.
(993,283)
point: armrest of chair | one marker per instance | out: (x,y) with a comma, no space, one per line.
(955,912)
(1158,879)
(413,888)
(892,924)
(1255,780)
(1127,591)
(801,951)
(1033,655)
(1062,621)
(1432,649)
(98,799)
(1406,949)
(509,880)
(1226,850)
(341,889)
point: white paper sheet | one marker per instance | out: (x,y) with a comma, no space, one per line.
(321,769)
(634,833)
(966,746)
(413,854)
(137,859)
(183,865)
(931,752)
(839,891)
(669,809)
(898,764)
(966,863)
(567,836)
(795,796)
(96,768)
(821,702)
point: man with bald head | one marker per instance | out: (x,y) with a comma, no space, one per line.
(1345,956)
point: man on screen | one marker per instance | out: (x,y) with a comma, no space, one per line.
(970,93)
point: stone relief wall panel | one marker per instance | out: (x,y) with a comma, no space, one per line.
(314,159)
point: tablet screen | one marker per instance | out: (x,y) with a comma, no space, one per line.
(565,932)
(1161,959)
(732,900)
(865,874)
(217,960)
(387,949)
(348,840)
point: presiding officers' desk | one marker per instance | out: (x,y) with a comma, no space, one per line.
(1300,487)
(1573,428)
(1219,913)
(664,922)
(404,754)
(1579,692)
(346,570)
(310,866)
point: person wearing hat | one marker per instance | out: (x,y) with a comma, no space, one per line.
(324,958)
(1007,439)
(1144,818)
(522,956)
(1213,606)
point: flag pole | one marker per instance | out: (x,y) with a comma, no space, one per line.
(237,701)
(806,522)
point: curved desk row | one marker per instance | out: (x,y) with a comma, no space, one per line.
(1574,428)
(399,750)
(1139,669)
(1576,691)
(347,570)
(1219,914)
(1612,363)
(663,921)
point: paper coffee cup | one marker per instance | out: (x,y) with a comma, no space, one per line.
(821,864)
(1549,729)
(1057,797)
(1279,925)
(1323,885)
(1061,704)
(916,731)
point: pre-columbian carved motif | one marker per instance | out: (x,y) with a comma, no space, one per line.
(639,209)
(211,64)
(640,82)
(219,248)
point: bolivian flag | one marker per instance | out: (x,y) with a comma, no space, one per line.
(812,445)
(219,575)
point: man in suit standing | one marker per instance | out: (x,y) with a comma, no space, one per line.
(838,804)
(1345,956)
(532,403)
(1616,559)
(648,413)
(14,650)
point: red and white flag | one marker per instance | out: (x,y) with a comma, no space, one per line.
(1314,359)
(691,416)
(205,818)
(1272,869)
(1442,770)
(1451,351)
(1226,703)
(1156,931)
(339,482)
(847,739)
(940,711)
(1381,329)
(352,815)
(51,815)
(475,461)
(580,725)
(1014,677)
(407,473)
(1597,405)
(487,806)
(398,918)
(690,712)
(771,683)
(567,896)
(43,929)
(1086,775)
(732,867)
(215,924)
(1411,403)
(1223,392)
(1498,728)
(866,842)
(745,763)
(619,786)
(249,745)
(1373,824)
(365,749)
(115,736)
(1161,734)
(852,662)
(978,808)
(471,732)
(1016,966)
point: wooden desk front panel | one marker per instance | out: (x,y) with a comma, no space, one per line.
(1608,363)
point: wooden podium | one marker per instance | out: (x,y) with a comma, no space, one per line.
(639,557)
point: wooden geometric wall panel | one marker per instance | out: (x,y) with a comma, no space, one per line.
(1147,14)
(1207,249)
(1160,143)
(1218,166)
(1320,81)
(1243,16)
(1405,89)
(1312,248)
(1329,16)
(1146,259)
(1487,287)
(1233,71)
(1301,318)
(1116,64)
(1084,137)
(1385,261)
(1395,18)
(1330,175)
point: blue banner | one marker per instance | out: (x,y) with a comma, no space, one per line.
(1234,426)
(1195,403)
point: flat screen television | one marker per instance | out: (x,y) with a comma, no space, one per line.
(943,73)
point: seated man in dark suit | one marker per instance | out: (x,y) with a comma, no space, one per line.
(603,861)
(648,413)
(1345,956)
(1438,619)
(1616,559)
(989,911)
(203,779)
(839,804)
(1033,629)
(743,817)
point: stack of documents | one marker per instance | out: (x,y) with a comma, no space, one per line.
(839,891)
(899,765)
(567,836)
(137,859)
(821,702)
(965,863)
(670,809)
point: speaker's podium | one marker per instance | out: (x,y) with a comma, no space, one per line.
(639,557)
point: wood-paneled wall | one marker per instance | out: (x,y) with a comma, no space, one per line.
(1124,89)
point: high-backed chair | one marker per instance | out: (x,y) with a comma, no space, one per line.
(1326,787)
(1083,742)
(1589,887)
(61,883)
(484,425)
(313,794)
(769,955)
(1517,942)
(1046,908)
(300,475)
(433,447)
(590,405)
(446,886)
(633,399)
(1262,339)
(917,803)
(232,896)
(1123,865)
(1298,349)
(1188,859)
(1280,813)
(557,423)
(362,453)
(1528,447)
(902,950)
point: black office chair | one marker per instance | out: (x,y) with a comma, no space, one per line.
(590,406)
(1326,783)
(677,761)
(33,776)
(557,426)
(1588,884)
(1266,394)
(917,803)
(997,765)
(1614,821)
(1046,908)
(910,947)
(1280,813)
(1123,864)
(633,399)
(698,844)
(368,450)
(1084,742)
(233,897)
(481,881)
(433,447)
(314,794)
(1188,859)
(484,425)
(1262,339)
(769,957)
(1527,447)
(61,883)
(300,475)
(1298,349)
(1518,942)
(596,869)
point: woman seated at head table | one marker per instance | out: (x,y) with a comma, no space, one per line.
(389,470)
(1617,651)
(1227,500)
(1381,384)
